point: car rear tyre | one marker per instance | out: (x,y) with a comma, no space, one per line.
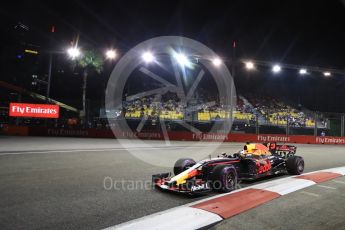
(295,165)
(224,178)
(182,165)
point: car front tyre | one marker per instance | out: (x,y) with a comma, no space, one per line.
(183,164)
(224,178)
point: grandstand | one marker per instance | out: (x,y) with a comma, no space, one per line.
(249,110)
(150,108)
(280,113)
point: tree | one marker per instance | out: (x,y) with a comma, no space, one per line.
(91,61)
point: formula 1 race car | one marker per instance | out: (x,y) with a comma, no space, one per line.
(223,172)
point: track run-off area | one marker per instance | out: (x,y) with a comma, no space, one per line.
(84,183)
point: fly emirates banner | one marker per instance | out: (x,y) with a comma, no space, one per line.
(34,110)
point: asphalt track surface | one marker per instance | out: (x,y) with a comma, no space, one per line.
(65,183)
(317,207)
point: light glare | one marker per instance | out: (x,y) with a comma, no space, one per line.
(249,65)
(276,68)
(327,74)
(303,71)
(148,57)
(110,54)
(217,61)
(73,52)
(182,59)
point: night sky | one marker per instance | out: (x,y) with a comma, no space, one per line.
(294,32)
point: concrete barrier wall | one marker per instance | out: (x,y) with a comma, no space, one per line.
(173,135)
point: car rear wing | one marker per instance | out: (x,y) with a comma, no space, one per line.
(281,150)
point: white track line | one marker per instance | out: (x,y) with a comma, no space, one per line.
(310,194)
(339,170)
(338,182)
(285,185)
(178,218)
(327,187)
